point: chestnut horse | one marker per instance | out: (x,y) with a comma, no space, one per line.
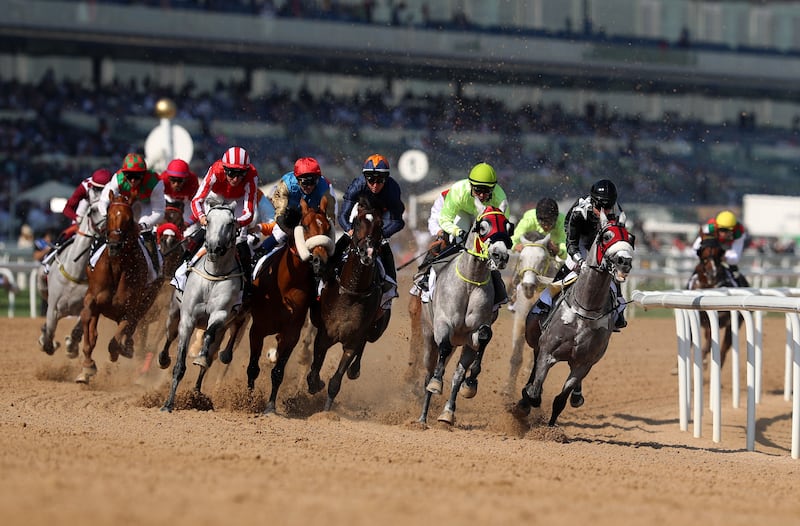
(349,302)
(283,290)
(710,273)
(119,286)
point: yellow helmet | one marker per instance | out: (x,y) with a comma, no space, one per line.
(726,219)
(483,175)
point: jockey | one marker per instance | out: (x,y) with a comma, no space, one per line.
(582,224)
(460,202)
(544,219)
(377,181)
(146,191)
(180,186)
(305,182)
(231,178)
(86,194)
(731,235)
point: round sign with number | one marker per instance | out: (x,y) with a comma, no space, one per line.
(413,165)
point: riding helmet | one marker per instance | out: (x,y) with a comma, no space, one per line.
(134,162)
(236,158)
(100,177)
(604,194)
(483,175)
(726,220)
(178,168)
(376,163)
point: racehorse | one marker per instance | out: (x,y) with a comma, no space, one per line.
(213,288)
(534,271)
(169,237)
(460,312)
(710,272)
(349,302)
(67,284)
(581,322)
(119,286)
(283,290)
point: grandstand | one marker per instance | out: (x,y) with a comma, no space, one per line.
(654,94)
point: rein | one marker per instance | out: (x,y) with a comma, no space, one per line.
(466,279)
(542,272)
(70,277)
(212,277)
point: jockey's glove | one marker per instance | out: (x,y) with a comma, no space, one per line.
(459,238)
(579,262)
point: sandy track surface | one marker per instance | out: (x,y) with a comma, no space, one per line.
(105,454)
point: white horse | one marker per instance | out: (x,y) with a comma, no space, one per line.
(213,289)
(460,312)
(534,271)
(66,284)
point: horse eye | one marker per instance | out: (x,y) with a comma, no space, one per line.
(483,228)
(608,237)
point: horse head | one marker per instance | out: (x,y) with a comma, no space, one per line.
(614,249)
(710,270)
(221,231)
(312,236)
(121,228)
(536,266)
(173,213)
(491,237)
(367,229)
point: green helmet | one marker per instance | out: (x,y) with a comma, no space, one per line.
(483,174)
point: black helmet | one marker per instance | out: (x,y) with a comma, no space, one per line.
(547,210)
(604,194)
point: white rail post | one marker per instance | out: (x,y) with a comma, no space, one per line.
(751,381)
(734,351)
(683,333)
(714,375)
(697,373)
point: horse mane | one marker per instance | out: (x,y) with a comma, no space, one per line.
(369,202)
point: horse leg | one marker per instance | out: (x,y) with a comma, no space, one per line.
(172,332)
(349,355)
(226,355)
(469,388)
(576,398)
(217,324)
(448,415)
(322,342)
(212,347)
(354,371)
(115,343)
(435,383)
(179,369)
(49,329)
(532,334)
(89,320)
(560,401)
(279,369)
(256,346)
(74,339)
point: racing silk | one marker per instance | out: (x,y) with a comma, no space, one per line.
(287,193)
(530,223)
(216,183)
(186,192)
(82,195)
(147,199)
(733,247)
(389,199)
(581,226)
(460,202)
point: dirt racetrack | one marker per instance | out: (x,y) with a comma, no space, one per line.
(105,454)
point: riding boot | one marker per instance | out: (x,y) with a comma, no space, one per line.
(266,247)
(620,322)
(243,251)
(500,292)
(149,240)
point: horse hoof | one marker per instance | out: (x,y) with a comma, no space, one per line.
(72,354)
(315,386)
(469,388)
(354,372)
(201,361)
(126,352)
(86,374)
(226,357)
(164,360)
(447,416)
(521,410)
(434,386)
(166,409)
(576,400)
(113,350)
(533,400)
(47,347)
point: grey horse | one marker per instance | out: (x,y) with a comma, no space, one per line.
(534,271)
(580,325)
(66,284)
(461,313)
(213,289)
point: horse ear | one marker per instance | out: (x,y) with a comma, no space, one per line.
(603,218)
(111,195)
(622,218)
(480,207)
(303,206)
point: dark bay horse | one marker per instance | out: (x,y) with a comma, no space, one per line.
(283,290)
(349,302)
(119,286)
(580,325)
(460,312)
(709,273)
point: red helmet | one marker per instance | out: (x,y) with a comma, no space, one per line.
(177,168)
(236,158)
(134,162)
(305,166)
(100,178)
